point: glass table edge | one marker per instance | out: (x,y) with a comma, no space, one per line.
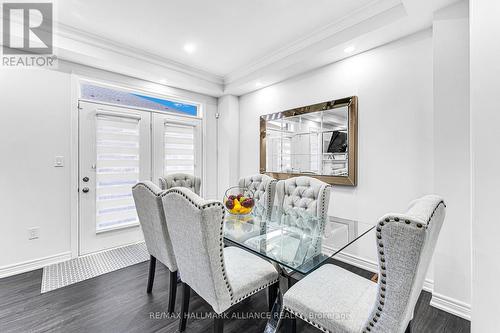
(228,241)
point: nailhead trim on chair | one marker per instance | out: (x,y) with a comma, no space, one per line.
(221,233)
(321,212)
(269,201)
(147,187)
(323,199)
(221,243)
(383,272)
(254,292)
(270,181)
(268,191)
(269,198)
(163,182)
(324,216)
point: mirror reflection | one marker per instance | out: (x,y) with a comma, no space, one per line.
(311,143)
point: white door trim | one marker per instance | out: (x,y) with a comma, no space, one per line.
(123,83)
(74,169)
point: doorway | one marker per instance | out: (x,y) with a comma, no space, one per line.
(119,146)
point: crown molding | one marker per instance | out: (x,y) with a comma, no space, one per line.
(364,13)
(377,23)
(76,35)
(66,32)
(375,31)
(73,35)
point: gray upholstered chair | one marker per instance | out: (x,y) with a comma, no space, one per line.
(181,180)
(221,276)
(309,195)
(335,300)
(263,188)
(152,218)
(300,198)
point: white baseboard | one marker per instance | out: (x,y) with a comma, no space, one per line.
(33,264)
(451,305)
(372,266)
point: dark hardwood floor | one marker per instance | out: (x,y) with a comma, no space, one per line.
(117,302)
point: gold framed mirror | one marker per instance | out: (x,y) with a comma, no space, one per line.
(319,140)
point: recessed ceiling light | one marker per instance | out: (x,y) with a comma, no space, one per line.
(258,84)
(349,49)
(163,81)
(189,47)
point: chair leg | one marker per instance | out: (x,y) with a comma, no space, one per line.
(290,323)
(186,293)
(151,278)
(408,328)
(219,323)
(272,293)
(291,281)
(172,293)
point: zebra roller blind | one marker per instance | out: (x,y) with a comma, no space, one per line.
(180,148)
(117,170)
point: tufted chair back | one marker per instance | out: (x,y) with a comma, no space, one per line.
(263,188)
(152,218)
(181,180)
(196,227)
(306,193)
(405,243)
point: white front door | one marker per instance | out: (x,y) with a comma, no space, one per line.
(115,153)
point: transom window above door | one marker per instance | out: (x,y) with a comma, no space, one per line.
(91,92)
(124,138)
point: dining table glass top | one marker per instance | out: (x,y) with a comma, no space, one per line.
(292,238)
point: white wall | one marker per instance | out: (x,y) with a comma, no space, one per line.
(402,141)
(210,179)
(36,107)
(394,86)
(452,153)
(228,143)
(395,158)
(485,136)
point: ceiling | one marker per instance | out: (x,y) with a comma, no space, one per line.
(243,45)
(227,34)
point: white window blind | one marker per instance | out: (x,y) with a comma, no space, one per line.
(179,148)
(117,170)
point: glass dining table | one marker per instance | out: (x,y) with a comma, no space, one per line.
(295,241)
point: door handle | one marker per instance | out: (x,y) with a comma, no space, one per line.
(85,189)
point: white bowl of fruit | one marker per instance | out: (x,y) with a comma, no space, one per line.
(239,201)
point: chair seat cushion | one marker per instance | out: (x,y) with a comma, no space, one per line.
(247,273)
(333,299)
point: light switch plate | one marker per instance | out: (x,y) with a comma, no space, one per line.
(59,161)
